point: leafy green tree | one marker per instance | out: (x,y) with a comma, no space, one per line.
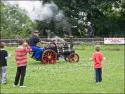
(14,22)
(107,16)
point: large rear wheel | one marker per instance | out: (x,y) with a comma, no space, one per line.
(49,57)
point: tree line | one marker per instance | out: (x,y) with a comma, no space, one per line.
(107,18)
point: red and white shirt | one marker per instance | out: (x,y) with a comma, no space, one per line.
(21,56)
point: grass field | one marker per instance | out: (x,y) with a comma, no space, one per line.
(64,77)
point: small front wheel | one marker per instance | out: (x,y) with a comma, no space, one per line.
(73,58)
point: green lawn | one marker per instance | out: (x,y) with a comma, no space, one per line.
(64,77)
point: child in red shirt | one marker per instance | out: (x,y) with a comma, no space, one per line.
(21,62)
(97,61)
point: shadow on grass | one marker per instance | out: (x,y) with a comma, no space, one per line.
(35,62)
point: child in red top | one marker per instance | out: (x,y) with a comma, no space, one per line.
(97,60)
(21,61)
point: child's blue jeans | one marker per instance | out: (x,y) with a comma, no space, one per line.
(3,73)
(98,74)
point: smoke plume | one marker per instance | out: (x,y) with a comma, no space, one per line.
(36,10)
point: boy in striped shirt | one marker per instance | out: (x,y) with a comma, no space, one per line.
(21,62)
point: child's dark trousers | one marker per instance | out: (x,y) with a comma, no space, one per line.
(20,74)
(98,74)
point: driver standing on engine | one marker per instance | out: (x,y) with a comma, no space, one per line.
(33,44)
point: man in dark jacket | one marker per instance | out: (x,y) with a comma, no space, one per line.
(33,44)
(90,30)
